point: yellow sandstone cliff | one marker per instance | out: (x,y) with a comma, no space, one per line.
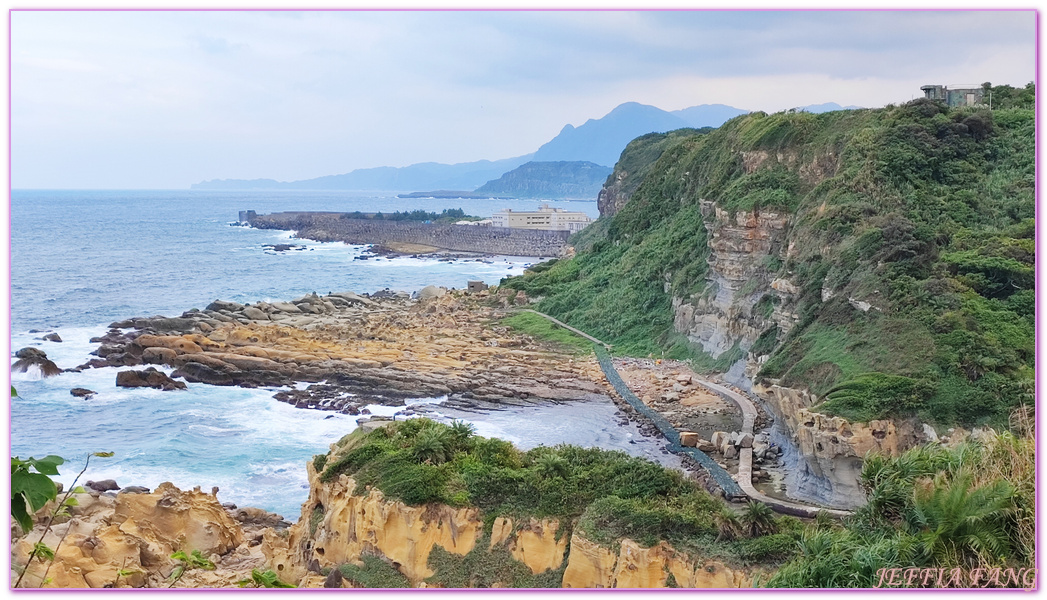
(352,526)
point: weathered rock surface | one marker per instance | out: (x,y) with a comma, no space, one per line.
(357,351)
(137,533)
(832,448)
(148,378)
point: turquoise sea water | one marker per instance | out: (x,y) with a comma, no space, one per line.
(80,260)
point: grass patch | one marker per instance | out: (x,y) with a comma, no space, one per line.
(545,330)
(486,567)
(375,573)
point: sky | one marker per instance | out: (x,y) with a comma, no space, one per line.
(164,99)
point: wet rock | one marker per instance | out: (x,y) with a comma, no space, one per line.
(148,378)
(34,357)
(82,393)
(199,373)
(52,337)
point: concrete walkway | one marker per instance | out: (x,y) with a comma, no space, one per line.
(745,455)
(745,460)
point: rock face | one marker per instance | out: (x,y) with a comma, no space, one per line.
(633,566)
(740,247)
(832,448)
(338,526)
(137,533)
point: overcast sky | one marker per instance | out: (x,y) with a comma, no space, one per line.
(121,99)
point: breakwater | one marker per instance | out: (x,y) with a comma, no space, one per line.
(335,227)
(723,479)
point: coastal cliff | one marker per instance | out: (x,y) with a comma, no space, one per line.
(838,264)
(437,545)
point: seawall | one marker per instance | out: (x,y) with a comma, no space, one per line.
(332,227)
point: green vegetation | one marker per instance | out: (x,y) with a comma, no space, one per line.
(31,487)
(970,506)
(551,179)
(609,495)
(922,211)
(486,567)
(188,562)
(544,329)
(375,573)
(448,215)
(264,579)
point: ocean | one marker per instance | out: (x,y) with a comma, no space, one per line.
(83,259)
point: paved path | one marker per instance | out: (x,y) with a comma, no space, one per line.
(745,455)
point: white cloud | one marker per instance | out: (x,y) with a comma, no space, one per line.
(186,96)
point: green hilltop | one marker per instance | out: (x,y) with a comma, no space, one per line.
(927,209)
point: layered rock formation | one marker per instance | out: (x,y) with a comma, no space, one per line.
(357,350)
(832,448)
(741,247)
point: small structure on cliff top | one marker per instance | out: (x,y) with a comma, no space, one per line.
(476,286)
(969,95)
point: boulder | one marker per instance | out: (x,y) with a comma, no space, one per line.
(134,489)
(30,357)
(201,373)
(431,291)
(53,337)
(684,379)
(148,378)
(760,450)
(745,440)
(688,439)
(158,355)
(352,298)
(718,438)
(705,446)
(255,314)
(671,397)
(102,486)
(730,452)
(82,393)
(225,305)
(285,307)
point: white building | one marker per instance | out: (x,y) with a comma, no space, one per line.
(545,217)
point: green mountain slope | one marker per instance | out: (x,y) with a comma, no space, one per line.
(907,252)
(556,179)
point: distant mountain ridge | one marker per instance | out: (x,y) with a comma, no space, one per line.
(428,175)
(598,141)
